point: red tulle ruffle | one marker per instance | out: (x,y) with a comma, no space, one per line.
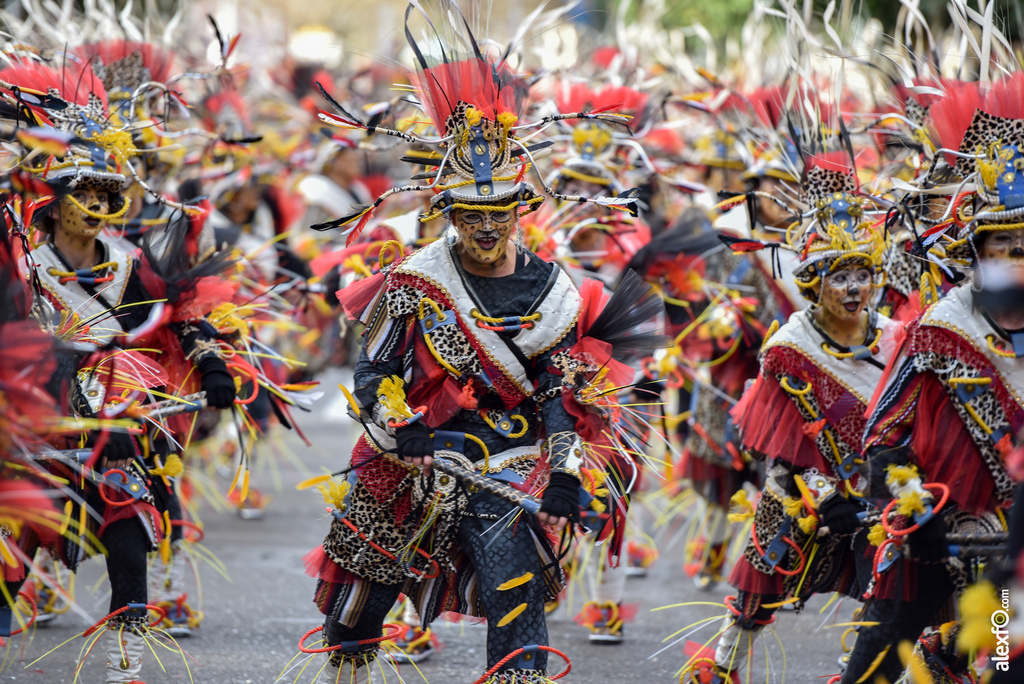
(746,577)
(320,566)
(771,425)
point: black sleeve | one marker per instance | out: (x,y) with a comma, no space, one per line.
(64,377)
(197,339)
(369,374)
(133,312)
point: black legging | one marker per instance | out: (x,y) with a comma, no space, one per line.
(127,545)
(897,621)
(512,554)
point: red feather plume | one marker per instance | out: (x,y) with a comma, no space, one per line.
(76,81)
(490,88)
(830,161)
(578,97)
(1006,97)
(154,58)
(951,115)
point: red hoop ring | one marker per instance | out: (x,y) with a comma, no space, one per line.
(101,486)
(916,526)
(35,612)
(189,525)
(395,633)
(513,654)
(247,370)
(792,544)
(162,614)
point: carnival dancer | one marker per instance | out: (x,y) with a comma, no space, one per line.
(805,415)
(484,339)
(941,427)
(88,287)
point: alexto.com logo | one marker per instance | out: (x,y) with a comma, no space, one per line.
(1000,621)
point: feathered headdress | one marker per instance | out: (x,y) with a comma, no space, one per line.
(474,101)
(592,146)
(980,137)
(83,151)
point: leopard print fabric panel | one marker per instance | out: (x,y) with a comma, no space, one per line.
(984,130)
(829,562)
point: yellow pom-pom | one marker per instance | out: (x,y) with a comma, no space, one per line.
(900,475)
(978,606)
(334,492)
(507,119)
(746,509)
(598,506)
(909,504)
(172,467)
(793,507)
(474,116)
(808,524)
(877,535)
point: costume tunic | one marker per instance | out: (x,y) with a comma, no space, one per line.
(805,415)
(427,323)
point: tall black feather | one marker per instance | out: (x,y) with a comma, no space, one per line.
(419,54)
(632,320)
(166,253)
(337,105)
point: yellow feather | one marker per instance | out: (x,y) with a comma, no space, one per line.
(915,665)
(11,561)
(512,615)
(515,582)
(351,400)
(165,543)
(313,481)
(874,665)
(391,392)
(66,522)
(234,482)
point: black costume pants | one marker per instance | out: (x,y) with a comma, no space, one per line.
(898,621)
(499,550)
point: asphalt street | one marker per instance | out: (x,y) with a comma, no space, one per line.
(254,620)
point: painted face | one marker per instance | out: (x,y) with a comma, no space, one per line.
(75,222)
(846,292)
(484,234)
(1005,246)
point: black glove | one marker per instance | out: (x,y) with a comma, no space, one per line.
(217,382)
(929,542)
(839,514)
(562,497)
(414,441)
(119,447)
